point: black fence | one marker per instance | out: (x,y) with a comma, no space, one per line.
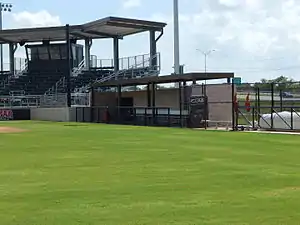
(271,106)
(139,116)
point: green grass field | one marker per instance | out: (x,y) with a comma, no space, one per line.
(115,175)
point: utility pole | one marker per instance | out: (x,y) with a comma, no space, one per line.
(176,37)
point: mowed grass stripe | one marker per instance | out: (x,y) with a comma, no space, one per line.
(107,174)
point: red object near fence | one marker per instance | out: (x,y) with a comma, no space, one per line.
(235,103)
(248,103)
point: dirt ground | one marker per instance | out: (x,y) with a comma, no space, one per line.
(7,130)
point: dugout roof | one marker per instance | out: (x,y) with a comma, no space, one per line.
(165,79)
(108,27)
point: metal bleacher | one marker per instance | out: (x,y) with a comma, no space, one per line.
(48,77)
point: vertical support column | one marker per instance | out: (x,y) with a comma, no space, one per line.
(116,55)
(184,95)
(69,69)
(153,89)
(92,103)
(119,96)
(148,96)
(180,102)
(153,58)
(87,53)
(12,50)
(234,107)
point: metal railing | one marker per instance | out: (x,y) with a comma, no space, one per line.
(19,101)
(124,62)
(58,87)
(23,69)
(152,71)
(77,70)
(56,100)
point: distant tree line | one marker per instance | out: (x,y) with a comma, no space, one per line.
(280,83)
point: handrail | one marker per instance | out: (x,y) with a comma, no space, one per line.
(22,70)
(16,74)
(118,73)
(77,70)
(54,88)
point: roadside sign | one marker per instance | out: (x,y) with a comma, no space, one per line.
(237,80)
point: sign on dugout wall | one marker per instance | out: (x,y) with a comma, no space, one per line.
(14,114)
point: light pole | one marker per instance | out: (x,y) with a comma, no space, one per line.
(176,37)
(206,54)
(4,7)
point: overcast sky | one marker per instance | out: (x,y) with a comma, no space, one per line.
(253,38)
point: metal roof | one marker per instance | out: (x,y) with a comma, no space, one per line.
(165,79)
(108,27)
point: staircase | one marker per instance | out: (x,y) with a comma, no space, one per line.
(134,71)
(59,87)
(78,70)
(12,77)
(82,79)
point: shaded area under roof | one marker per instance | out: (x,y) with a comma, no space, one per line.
(108,27)
(165,79)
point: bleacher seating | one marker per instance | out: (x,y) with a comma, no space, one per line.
(37,81)
(34,83)
(87,77)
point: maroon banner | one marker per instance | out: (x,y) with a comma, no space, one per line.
(6,114)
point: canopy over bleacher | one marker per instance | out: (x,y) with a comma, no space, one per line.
(173,78)
(109,27)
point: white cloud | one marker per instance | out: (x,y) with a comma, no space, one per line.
(254,38)
(131,3)
(27,19)
(245,32)
(36,19)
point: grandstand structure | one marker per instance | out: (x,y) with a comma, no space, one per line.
(58,71)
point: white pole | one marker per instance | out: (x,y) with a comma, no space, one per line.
(176,37)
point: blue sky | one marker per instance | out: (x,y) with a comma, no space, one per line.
(253,38)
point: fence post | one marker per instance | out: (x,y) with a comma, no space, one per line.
(234,125)
(253,118)
(258,105)
(272,105)
(292,119)
(280,96)
(145,117)
(169,119)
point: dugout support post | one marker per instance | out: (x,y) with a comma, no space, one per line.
(69,69)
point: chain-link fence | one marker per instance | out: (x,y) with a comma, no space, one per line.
(269,105)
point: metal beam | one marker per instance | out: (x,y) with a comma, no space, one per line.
(102,34)
(133,26)
(4,40)
(79,35)
(136,21)
(160,35)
